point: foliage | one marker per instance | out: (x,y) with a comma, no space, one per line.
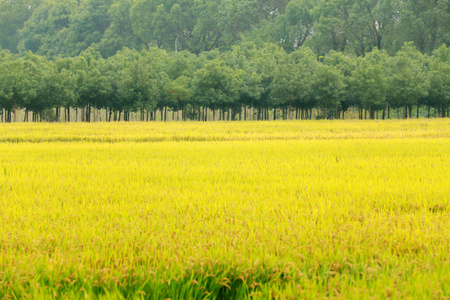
(408,82)
(370,79)
(249,77)
(66,28)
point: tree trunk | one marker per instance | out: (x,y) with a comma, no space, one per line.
(290,110)
(95,111)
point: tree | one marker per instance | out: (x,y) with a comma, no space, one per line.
(120,33)
(13,15)
(408,82)
(178,94)
(217,86)
(296,25)
(250,91)
(150,22)
(329,31)
(293,80)
(369,81)
(328,85)
(45,31)
(438,75)
(368,23)
(19,83)
(63,85)
(258,64)
(157,62)
(346,65)
(87,25)
(93,84)
(138,88)
(424,22)
(264,61)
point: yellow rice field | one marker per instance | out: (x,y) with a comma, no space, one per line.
(271,210)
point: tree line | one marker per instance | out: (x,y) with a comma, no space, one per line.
(67,28)
(250,82)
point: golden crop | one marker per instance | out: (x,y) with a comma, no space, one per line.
(310,209)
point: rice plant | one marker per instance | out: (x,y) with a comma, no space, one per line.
(271,210)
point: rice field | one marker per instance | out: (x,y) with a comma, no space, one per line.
(262,210)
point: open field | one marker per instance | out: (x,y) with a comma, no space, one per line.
(312,209)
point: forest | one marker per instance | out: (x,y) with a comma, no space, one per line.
(223,59)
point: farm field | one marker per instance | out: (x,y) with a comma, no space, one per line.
(217,210)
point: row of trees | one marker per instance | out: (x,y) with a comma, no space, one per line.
(261,82)
(66,28)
